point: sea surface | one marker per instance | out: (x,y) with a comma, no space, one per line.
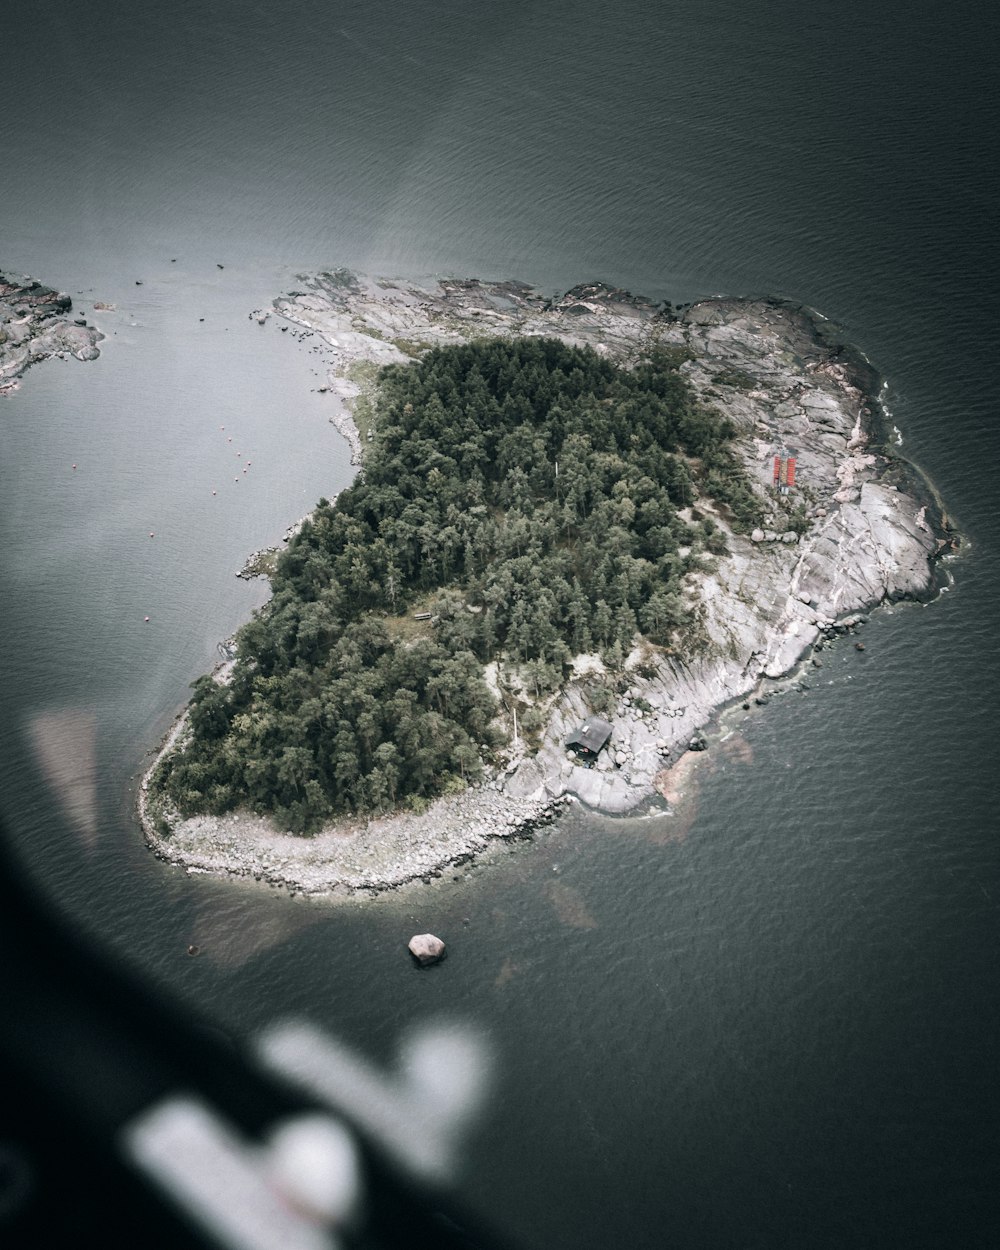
(770,1020)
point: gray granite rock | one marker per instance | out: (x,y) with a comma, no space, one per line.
(426,948)
(33,328)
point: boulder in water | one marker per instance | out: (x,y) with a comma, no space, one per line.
(426,948)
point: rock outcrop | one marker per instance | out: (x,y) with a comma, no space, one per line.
(33,327)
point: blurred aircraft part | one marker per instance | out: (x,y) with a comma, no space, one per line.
(202,1164)
(128,1121)
(312,1161)
(417,1116)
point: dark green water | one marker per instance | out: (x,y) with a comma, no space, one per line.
(773,1023)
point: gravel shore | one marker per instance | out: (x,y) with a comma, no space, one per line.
(350,855)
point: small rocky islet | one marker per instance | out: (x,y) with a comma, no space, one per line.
(34,326)
(869,529)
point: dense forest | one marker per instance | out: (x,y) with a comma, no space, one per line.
(525,494)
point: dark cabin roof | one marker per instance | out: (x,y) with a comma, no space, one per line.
(591,735)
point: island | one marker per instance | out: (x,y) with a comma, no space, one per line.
(33,327)
(581,527)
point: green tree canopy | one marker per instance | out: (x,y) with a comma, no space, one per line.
(531,492)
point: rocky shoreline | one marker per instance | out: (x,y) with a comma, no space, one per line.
(33,328)
(353,857)
(870,530)
(261,563)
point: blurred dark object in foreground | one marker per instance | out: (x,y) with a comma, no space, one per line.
(93,1060)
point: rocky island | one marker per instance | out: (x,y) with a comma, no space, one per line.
(582,526)
(33,327)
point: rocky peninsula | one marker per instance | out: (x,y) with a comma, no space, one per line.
(34,327)
(858,528)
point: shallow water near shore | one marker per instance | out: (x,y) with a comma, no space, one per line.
(767,1020)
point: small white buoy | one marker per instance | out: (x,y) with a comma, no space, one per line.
(151,534)
(74,466)
(214,492)
(145,618)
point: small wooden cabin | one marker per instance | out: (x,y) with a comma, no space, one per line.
(590,737)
